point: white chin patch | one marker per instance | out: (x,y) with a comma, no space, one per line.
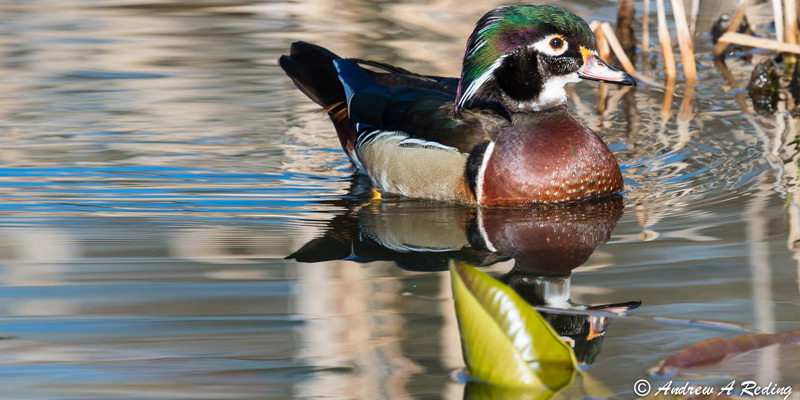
(553,91)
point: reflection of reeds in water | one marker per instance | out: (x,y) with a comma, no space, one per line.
(74,68)
(340,332)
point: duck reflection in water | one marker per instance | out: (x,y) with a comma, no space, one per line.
(546,244)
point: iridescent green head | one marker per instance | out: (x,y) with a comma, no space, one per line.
(522,56)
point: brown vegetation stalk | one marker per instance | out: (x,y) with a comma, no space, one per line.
(777,11)
(685,42)
(665,42)
(604,51)
(693,19)
(646,27)
(790,22)
(752,41)
(625,14)
(626,63)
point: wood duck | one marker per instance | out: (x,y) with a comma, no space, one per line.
(499,135)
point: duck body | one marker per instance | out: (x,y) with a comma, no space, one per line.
(499,135)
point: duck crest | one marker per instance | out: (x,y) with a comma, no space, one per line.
(500,33)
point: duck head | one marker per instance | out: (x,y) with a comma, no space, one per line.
(522,56)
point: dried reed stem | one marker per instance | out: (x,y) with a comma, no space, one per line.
(646,27)
(735,22)
(626,63)
(666,43)
(777,11)
(626,11)
(790,23)
(621,56)
(604,51)
(693,19)
(752,41)
(685,42)
(790,20)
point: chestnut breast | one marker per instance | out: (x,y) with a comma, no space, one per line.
(548,157)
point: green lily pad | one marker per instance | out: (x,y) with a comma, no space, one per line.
(505,341)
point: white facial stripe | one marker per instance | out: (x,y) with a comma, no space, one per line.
(543,46)
(473,87)
(553,90)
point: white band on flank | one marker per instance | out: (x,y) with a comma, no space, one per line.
(404,140)
(425,143)
(405,248)
(369,136)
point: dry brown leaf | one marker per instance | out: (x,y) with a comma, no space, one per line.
(714,350)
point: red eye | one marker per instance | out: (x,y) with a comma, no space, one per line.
(556,43)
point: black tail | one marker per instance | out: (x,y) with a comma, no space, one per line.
(312,70)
